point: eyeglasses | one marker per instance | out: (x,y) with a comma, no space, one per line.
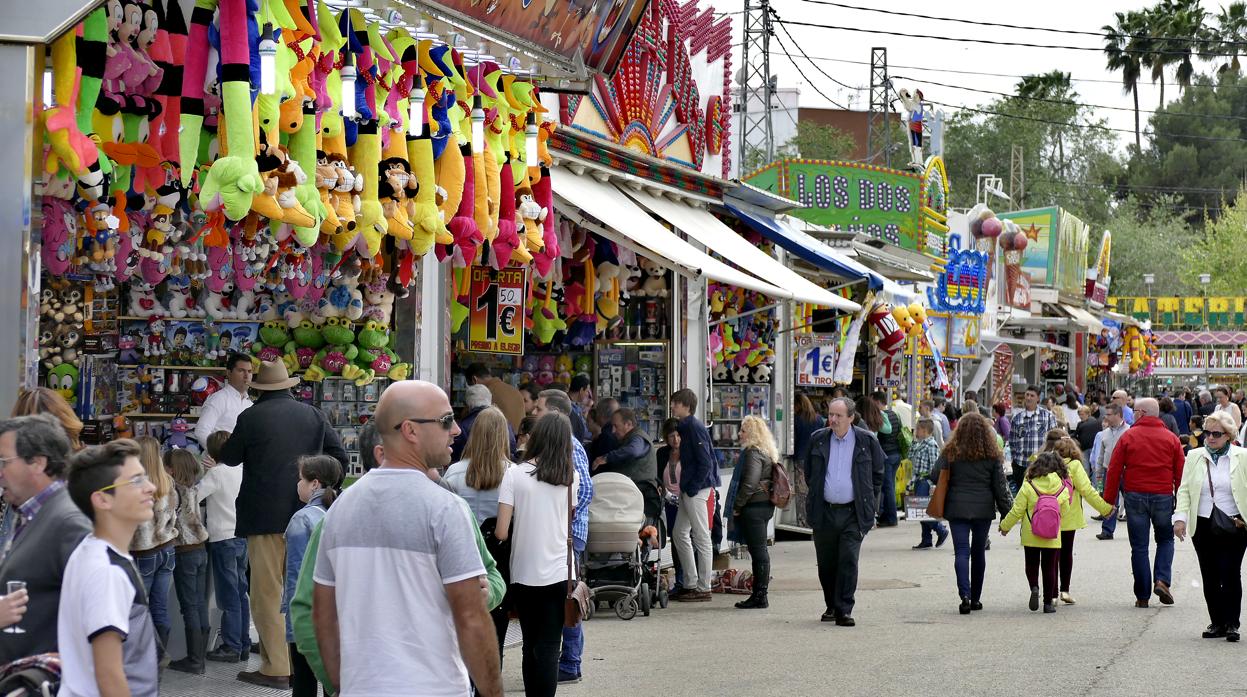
(137,480)
(446,420)
(6,460)
(1214,434)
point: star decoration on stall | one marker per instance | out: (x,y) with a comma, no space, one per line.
(1031,232)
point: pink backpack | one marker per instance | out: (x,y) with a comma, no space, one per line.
(1046,518)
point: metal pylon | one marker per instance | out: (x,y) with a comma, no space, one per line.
(878,130)
(1017,177)
(757,89)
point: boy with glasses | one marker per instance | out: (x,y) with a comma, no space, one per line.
(105,634)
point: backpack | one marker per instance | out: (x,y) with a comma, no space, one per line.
(781,487)
(1046,519)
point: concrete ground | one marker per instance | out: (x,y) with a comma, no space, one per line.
(909,638)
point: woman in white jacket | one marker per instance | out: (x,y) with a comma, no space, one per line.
(1211,502)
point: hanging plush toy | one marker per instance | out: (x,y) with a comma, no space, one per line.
(889,332)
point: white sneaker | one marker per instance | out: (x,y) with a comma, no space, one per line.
(1067,598)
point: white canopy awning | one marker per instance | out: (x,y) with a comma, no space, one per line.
(702,226)
(605,203)
(990,341)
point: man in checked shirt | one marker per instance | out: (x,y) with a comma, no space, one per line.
(1026,436)
(923,455)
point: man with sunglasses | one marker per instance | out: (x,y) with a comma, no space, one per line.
(1152,458)
(33,455)
(107,640)
(268,440)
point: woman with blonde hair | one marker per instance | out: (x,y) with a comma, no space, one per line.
(1211,502)
(976,492)
(152,546)
(1073,520)
(476,478)
(41,400)
(750,494)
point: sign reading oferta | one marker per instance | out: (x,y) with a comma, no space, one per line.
(882,203)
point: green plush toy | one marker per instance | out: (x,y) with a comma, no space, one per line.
(376,357)
(271,342)
(339,353)
(301,352)
(234,179)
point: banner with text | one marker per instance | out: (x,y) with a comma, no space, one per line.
(496,324)
(816,359)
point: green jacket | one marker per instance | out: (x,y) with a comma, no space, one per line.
(1024,505)
(301,603)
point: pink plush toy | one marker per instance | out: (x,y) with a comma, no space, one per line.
(60,226)
(543,261)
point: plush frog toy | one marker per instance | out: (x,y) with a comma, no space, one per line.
(271,343)
(376,357)
(338,355)
(301,352)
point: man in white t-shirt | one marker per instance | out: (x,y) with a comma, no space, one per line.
(220,411)
(105,634)
(398,572)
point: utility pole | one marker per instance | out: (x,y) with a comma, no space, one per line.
(878,124)
(757,89)
(1017,177)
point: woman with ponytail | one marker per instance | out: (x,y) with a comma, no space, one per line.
(319,479)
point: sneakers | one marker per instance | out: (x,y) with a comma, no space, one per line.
(939,542)
(1067,598)
(965,606)
(1049,608)
(224,654)
(923,545)
(568,678)
(1162,591)
(694,597)
(1034,601)
(753,602)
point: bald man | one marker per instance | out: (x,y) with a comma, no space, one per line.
(396,523)
(1152,458)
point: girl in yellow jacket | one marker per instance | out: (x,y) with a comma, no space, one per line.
(1075,519)
(1046,476)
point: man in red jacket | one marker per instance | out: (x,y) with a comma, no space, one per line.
(1152,459)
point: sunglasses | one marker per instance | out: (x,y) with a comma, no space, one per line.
(137,480)
(1214,434)
(446,420)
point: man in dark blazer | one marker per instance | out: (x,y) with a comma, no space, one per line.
(844,471)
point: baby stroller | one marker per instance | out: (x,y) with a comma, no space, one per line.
(621,567)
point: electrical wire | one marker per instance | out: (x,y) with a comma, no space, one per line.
(807,57)
(801,72)
(1140,187)
(963,72)
(1092,126)
(1011,44)
(1069,103)
(980,23)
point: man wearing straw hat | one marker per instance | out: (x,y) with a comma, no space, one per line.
(269,438)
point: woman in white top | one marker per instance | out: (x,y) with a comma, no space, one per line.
(477,478)
(535,495)
(1214,485)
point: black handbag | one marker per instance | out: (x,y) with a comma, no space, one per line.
(1222,522)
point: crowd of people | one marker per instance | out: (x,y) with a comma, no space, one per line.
(466,521)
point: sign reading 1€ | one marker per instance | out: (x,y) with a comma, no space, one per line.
(883,203)
(496,323)
(816,359)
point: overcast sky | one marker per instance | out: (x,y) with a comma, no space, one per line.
(1094,83)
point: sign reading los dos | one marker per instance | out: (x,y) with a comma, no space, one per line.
(882,203)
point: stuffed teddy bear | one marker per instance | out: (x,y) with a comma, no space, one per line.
(342,298)
(762,373)
(655,283)
(143,302)
(378,301)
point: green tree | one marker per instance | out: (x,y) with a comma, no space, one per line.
(819,142)
(1219,251)
(1144,240)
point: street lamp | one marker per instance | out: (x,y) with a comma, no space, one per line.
(1204,280)
(1148,280)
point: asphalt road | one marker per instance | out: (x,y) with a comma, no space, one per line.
(910,639)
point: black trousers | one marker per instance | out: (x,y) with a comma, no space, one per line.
(1220,564)
(1067,558)
(541,619)
(753,521)
(1042,560)
(837,543)
(302,679)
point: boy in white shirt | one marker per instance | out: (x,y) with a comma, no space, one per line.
(105,634)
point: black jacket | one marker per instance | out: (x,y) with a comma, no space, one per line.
(755,479)
(268,441)
(976,489)
(867,476)
(1086,431)
(891,442)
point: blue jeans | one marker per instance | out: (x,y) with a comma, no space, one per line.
(574,637)
(157,572)
(1154,511)
(673,510)
(1109,526)
(887,506)
(970,555)
(922,487)
(229,576)
(190,580)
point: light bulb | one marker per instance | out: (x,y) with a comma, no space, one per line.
(478,125)
(268,61)
(530,140)
(415,110)
(348,91)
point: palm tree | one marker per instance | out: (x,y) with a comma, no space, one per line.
(1122,47)
(1155,54)
(1052,86)
(1230,33)
(1183,19)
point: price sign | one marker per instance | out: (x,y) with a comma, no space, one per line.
(816,359)
(496,323)
(889,369)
